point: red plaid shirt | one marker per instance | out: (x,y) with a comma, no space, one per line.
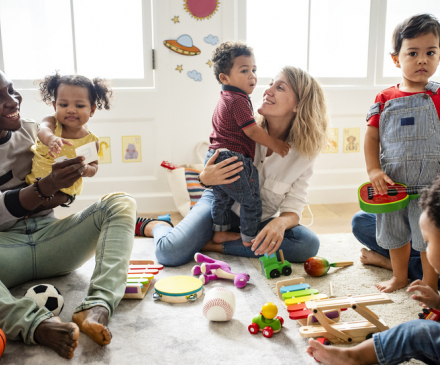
(232,114)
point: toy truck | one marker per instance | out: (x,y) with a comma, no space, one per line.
(274,265)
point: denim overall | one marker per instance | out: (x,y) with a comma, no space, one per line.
(410,154)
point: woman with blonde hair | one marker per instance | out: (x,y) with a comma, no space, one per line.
(294,110)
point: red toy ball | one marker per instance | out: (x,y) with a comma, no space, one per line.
(2,342)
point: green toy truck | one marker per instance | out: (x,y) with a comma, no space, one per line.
(274,265)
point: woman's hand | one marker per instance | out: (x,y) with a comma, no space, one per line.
(63,175)
(218,174)
(427,298)
(272,234)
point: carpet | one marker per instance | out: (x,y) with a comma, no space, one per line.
(155,332)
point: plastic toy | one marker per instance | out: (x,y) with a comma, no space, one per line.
(214,269)
(178,289)
(2,342)
(140,275)
(48,296)
(318,266)
(273,266)
(345,332)
(267,321)
(397,197)
(219,304)
(169,165)
(430,314)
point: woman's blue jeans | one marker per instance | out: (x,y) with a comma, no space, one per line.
(177,246)
(364,229)
(418,339)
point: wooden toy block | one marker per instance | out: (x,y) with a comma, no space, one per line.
(346,332)
(299,293)
(307,298)
(291,288)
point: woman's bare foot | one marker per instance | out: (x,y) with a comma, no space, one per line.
(221,237)
(370,257)
(93,322)
(391,285)
(60,337)
(329,354)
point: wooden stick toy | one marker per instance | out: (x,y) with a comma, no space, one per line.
(331,291)
(318,266)
(140,274)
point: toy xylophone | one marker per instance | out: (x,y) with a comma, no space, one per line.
(140,274)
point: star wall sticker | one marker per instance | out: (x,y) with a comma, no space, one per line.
(179,68)
(209,63)
(176,19)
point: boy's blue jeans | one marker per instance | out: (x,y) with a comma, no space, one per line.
(418,339)
(245,191)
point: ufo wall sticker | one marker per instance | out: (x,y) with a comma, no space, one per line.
(201,9)
(183,45)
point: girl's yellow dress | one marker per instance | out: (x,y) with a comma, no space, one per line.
(42,161)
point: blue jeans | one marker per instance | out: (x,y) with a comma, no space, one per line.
(364,229)
(245,191)
(418,339)
(177,246)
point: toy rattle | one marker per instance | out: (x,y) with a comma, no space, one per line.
(318,266)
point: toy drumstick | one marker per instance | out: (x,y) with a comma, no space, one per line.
(331,290)
(318,266)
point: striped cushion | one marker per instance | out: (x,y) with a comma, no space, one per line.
(195,190)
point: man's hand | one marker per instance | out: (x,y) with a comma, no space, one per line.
(58,199)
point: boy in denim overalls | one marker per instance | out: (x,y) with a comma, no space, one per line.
(404,122)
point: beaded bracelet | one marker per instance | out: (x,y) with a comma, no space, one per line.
(38,192)
(203,185)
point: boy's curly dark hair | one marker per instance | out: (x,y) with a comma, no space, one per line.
(99,90)
(430,202)
(413,27)
(224,55)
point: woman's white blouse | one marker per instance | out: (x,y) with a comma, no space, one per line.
(283,182)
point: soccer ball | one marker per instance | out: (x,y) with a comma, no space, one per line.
(48,296)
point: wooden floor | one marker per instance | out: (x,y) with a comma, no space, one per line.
(327,218)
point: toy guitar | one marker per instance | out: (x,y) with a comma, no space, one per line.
(398,197)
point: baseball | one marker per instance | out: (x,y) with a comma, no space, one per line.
(219,304)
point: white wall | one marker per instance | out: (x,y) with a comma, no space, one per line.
(176,115)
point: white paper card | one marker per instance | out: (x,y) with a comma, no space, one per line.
(88,151)
(61,159)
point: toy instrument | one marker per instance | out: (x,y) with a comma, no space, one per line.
(397,198)
(318,266)
(140,274)
(178,289)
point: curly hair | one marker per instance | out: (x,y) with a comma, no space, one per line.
(430,202)
(99,90)
(224,55)
(308,133)
(413,27)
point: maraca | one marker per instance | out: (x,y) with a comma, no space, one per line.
(318,266)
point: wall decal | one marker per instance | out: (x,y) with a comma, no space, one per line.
(201,9)
(183,45)
(211,39)
(131,149)
(105,155)
(352,138)
(196,76)
(209,63)
(179,68)
(333,143)
(175,19)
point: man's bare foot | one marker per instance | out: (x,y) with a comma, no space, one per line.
(370,257)
(391,285)
(93,322)
(221,237)
(60,337)
(330,355)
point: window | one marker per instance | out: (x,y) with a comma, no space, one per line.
(99,38)
(340,42)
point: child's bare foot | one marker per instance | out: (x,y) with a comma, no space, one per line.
(93,322)
(329,354)
(391,285)
(370,257)
(247,244)
(221,237)
(60,337)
